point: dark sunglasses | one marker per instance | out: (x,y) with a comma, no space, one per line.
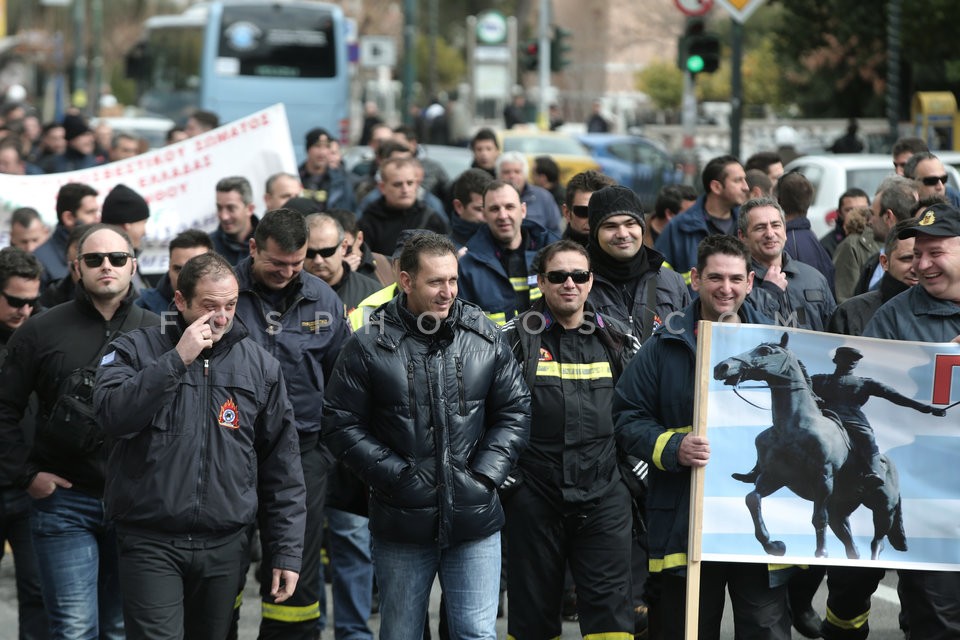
(323,253)
(94,260)
(932,180)
(18,303)
(581,211)
(559,277)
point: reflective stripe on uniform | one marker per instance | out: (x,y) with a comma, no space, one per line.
(238,601)
(571,371)
(498,317)
(851,624)
(661,444)
(285,613)
(686,276)
(671,561)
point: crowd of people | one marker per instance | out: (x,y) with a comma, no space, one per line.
(466,378)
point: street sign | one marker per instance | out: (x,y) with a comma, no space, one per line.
(378,51)
(740,9)
(694,7)
(491,28)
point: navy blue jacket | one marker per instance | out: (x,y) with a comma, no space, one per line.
(541,207)
(229,248)
(653,410)
(804,246)
(306,338)
(181,462)
(680,238)
(157,299)
(52,254)
(916,315)
(483,280)
(332,189)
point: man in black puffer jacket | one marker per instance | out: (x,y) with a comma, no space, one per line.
(427,405)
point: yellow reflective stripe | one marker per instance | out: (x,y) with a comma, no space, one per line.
(512,637)
(609,635)
(535,293)
(520,284)
(661,444)
(569,371)
(851,624)
(238,601)
(671,561)
(686,276)
(499,317)
(285,613)
(781,567)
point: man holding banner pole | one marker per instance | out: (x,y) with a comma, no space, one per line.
(653,411)
(928,312)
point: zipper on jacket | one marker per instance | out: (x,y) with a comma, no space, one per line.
(461,390)
(203,441)
(411,390)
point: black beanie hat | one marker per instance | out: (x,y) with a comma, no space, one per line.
(123,205)
(614,200)
(74,126)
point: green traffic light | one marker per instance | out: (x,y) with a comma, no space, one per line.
(695,64)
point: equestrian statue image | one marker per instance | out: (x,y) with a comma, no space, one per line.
(821,446)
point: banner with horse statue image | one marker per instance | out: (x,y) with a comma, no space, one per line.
(786,483)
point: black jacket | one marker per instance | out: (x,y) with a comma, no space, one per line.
(44,351)
(381,225)
(195,445)
(572,456)
(853,314)
(432,423)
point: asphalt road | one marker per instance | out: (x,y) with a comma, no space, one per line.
(883,616)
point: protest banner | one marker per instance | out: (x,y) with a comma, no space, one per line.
(795,467)
(177,181)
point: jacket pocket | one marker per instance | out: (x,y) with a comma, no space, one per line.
(461,390)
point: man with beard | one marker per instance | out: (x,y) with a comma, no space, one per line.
(630,283)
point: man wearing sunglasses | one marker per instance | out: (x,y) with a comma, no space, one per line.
(19,288)
(931,176)
(630,282)
(903,151)
(567,504)
(325,252)
(75,546)
(574,209)
(300,321)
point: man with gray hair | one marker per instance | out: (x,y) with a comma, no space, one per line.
(894,200)
(281,187)
(237,222)
(800,294)
(512,167)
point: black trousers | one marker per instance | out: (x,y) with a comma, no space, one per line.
(178,588)
(931,602)
(296,618)
(848,602)
(759,610)
(15,529)
(594,541)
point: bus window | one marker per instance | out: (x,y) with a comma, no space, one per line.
(279,41)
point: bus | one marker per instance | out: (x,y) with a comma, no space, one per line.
(235,57)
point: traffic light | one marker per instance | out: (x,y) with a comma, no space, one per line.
(697,50)
(530,55)
(560,49)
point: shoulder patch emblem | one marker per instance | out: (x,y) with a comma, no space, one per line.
(229,417)
(545,356)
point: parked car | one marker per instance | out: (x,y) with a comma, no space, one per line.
(571,156)
(831,175)
(639,163)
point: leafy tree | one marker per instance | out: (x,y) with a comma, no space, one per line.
(663,82)
(451,66)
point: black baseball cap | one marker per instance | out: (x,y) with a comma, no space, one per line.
(936,220)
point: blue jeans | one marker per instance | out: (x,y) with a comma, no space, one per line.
(15,529)
(469,577)
(348,540)
(77,557)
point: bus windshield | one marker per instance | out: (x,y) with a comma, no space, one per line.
(173,88)
(277,41)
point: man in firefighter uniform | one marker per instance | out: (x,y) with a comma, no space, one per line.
(569,503)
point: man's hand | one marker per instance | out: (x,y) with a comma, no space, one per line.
(196,338)
(777,277)
(283,585)
(353,259)
(44,484)
(694,451)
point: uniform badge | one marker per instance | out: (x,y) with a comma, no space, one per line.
(928,218)
(229,417)
(545,356)
(657,322)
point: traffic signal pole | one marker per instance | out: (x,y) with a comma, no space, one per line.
(736,87)
(543,71)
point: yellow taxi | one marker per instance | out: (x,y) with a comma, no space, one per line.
(569,154)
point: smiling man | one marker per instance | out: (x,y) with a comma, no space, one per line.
(300,321)
(428,406)
(326,250)
(571,358)
(790,291)
(653,409)
(630,282)
(496,272)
